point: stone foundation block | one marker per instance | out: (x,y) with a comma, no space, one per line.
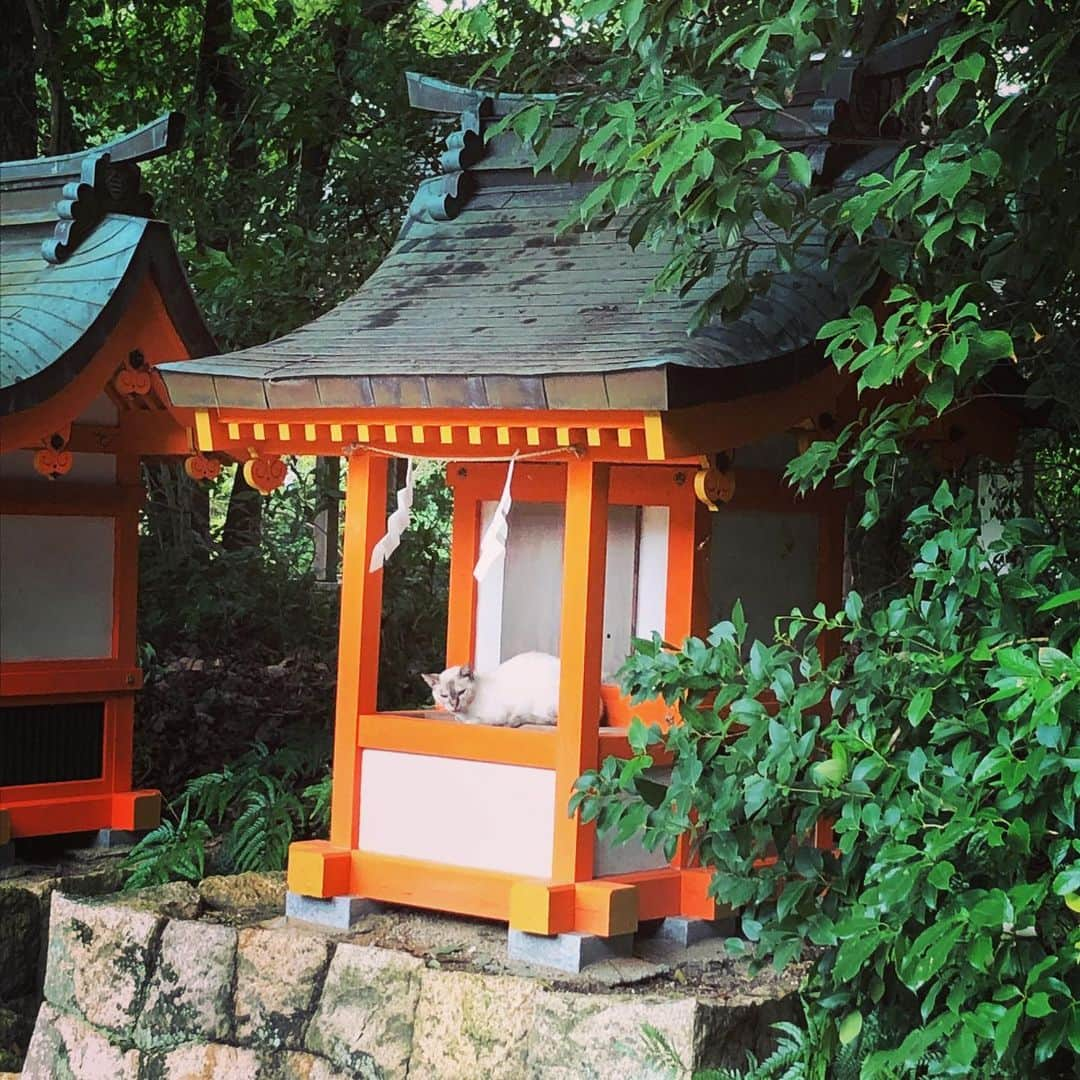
(364,1021)
(278,978)
(337,912)
(683,931)
(593,1037)
(189,994)
(567,952)
(98,961)
(470,1025)
(64,1047)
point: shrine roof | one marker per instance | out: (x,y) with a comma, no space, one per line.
(485,302)
(76,241)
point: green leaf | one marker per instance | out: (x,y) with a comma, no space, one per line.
(853,954)
(919,705)
(849,1028)
(1005,1028)
(1072,596)
(799,168)
(750,55)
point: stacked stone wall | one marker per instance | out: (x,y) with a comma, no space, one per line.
(139,992)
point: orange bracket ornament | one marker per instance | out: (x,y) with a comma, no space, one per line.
(53,460)
(265,474)
(134,376)
(714,482)
(200,467)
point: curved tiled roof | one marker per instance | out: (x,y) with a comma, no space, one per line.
(75,243)
(482,302)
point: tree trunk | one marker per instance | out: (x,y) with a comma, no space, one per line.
(243,519)
(18,94)
(48,21)
(327,517)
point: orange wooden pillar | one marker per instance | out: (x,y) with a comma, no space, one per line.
(461,605)
(581,649)
(358,640)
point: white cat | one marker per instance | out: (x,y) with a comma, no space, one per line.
(522,690)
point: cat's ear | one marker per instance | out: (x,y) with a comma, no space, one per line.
(466,671)
(432,679)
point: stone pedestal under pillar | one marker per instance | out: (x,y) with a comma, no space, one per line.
(567,952)
(336,912)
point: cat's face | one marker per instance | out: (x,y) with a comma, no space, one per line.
(453,689)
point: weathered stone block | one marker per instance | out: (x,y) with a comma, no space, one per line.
(336,912)
(592,1037)
(278,977)
(65,1048)
(470,1025)
(175,900)
(201,1061)
(250,891)
(98,961)
(189,996)
(364,1021)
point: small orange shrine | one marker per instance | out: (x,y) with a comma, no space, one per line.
(92,296)
(647,495)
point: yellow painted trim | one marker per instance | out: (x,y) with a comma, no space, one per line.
(390,431)
(363,433)
(474,435)
(532,436)
(502,436)
(446,434)
(204,435)
(562,436)
(418,433)
(592,435)
(654,437)
(336,434)
(258,432)
(283,432)
(234,432)
(311,432)
(625,437)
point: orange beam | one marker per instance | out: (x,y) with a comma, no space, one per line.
(48,816)
(465,546)
(464,742)
(484,893)
(358,640)
(65,680)
(580,649)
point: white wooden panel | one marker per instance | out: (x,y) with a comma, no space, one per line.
(489,603)
(56,587)
(620,586)
(86,469)
(532,585)
(652,571)
(769,561)
(461,813)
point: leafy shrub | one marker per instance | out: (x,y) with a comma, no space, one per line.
(259,803)
(174,851)
(944,743)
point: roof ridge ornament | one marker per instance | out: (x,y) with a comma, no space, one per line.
(442,198)
(104,187)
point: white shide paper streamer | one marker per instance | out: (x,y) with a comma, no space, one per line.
(396,524)
(493,543)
